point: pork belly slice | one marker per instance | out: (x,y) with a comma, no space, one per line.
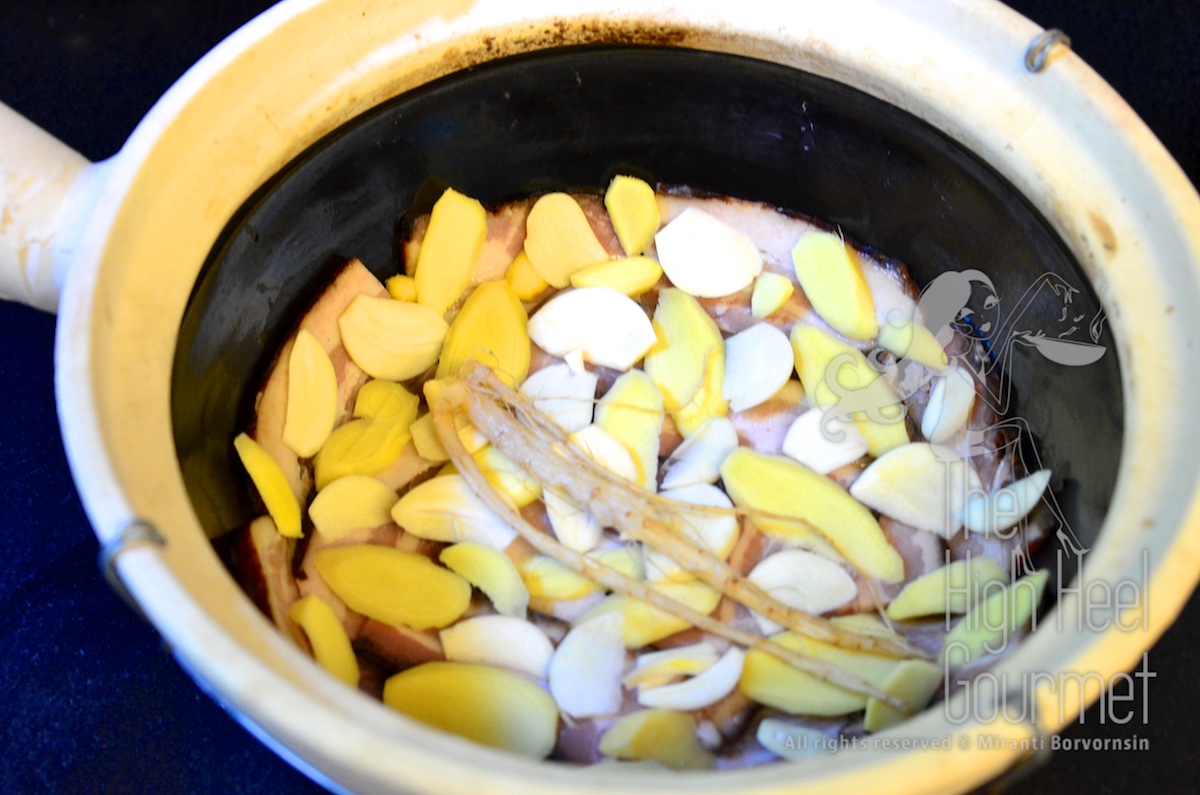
(322,322)
(261,560)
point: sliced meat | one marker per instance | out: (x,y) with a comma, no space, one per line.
(397,647)
(322,322)
(765,426)
(261,561)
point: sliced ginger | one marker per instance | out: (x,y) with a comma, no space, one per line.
(835,374)
(391,339)
(629,275)
(394,586)
(770,292)
(491,327)
(781,486)
(832,277)
(491,572)
(633,209)
(661,735)
(272,485)
(524,280)
(559,240)
(350,504)
(369,444)
(327,637)
(687,337)
(632,411)
(485,704)
(312,403)
(457,229)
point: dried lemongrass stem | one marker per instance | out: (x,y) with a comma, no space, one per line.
(618,582)
(632,511)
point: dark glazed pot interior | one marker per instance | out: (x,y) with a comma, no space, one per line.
(574,117)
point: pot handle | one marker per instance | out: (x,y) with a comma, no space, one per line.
(46,190)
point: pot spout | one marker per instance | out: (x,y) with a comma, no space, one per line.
(46,192)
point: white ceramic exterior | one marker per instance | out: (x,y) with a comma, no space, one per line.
(303,68)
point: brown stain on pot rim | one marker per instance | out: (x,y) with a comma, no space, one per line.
(1104,233)
(564,33)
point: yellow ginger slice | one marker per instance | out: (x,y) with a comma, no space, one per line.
(687,336)
(952,588)
(702,690)
(390,339)
(546,578)
(385,401)
(773,683)
(524,280)
(770,292)
(351,504)
(661,735)
(491,572)
(393,586)
(559,240)
(457,229)
(644,623)
(312,403)
(629,275)
(655,668)
(831,275)
(402,287)
(373,442)
(503,641)
(786,489)
(446,509)
(585,671)
(633,209)
(425,440)
(272,485)
(327,637)
(491,328)
(913,682)
(988,627)
(488,705)
(860,390)
(910,339)
(632,411)
(708,403)
(509,480)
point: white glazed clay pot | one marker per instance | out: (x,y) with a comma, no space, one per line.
(125,240)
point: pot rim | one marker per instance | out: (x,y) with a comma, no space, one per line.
(1062,137)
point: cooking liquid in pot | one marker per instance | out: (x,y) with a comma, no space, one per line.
(647,476)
